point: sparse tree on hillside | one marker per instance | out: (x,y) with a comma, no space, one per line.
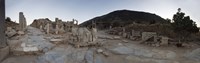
(183,25)
(168,20)
(8,19)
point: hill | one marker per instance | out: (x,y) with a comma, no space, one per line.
(122,18)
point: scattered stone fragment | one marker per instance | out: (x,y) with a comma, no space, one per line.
(122,50)
(10,32)
(56,41)
(20,32)
(105,53)
(116,37)
(120,44)
(125,41)
(99,50)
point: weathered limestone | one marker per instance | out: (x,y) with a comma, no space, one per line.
(94,34)
(164,41)
(40,23)
(69,25)
(47,28)
(124,32)
(57,29)
(135,33)
(20,32)
(10,32)
(29,47)
(82,37)
(148,35)
(56,41)
(22,22)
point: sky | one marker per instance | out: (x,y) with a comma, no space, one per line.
(83,10)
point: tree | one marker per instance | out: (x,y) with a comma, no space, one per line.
(168,20)
(183,25)
(8,19)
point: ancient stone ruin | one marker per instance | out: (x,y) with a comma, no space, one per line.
(22,21)
(56,27)
(72,33)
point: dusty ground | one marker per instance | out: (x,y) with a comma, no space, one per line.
(117,50)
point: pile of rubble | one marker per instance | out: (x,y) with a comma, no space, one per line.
(150,38)
(19,29)
(72,33)
(56,27)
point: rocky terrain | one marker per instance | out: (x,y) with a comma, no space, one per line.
(115,49)
(46,41)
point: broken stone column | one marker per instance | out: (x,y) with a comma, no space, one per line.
(94,34)
(123,32)
(41,28)
(47,28)
(57,29)
(22,21)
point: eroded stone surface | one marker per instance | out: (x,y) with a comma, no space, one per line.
(194,55)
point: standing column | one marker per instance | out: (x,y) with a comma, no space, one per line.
(2,24)
(22,21)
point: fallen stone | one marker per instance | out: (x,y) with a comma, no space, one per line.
(105,54)
(125,41)
(99,50)
(122,50)
(164,41)
(105,37)
(120,44)
(56,41)
(20,33)
(116,37)
(10,32)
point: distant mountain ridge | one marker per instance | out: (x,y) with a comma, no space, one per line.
(124,17)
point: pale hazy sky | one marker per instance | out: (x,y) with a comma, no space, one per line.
(83,10)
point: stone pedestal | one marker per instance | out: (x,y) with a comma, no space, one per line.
(4,52)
